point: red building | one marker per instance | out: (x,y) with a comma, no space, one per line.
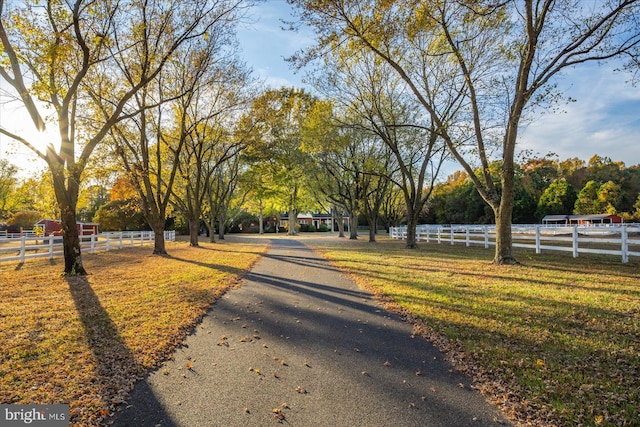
(582,219)
(54,227)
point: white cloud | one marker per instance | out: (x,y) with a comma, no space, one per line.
(603,120)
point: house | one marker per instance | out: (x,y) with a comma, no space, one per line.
(582,219)
(315,219)
(54,227)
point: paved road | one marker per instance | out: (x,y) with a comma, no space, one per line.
(300,344)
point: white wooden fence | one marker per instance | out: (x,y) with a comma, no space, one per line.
(611,239)
(28,246)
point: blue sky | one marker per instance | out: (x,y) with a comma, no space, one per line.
(604,120)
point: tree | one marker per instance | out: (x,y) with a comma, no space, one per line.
(7,183)
(374,100)
(221,194)
(341,154)
(119,215)
(258,198)
(538,173)
(609,197)
(393,208)
(24,219)
(74,57)
(34,194)
(587,201)
(456,201)
(210,139)
(497,59)
(123,209)
(559,198)
(636,207)
(276,123)
(160,123)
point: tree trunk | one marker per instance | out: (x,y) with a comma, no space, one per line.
(412,224)
(372,233)
(372,220)
(353,226)
(222,220)
(67,198)
(293,217)
(158,230)
(340,219)
(194,231)
(211,225)
(71,243)
(504,240)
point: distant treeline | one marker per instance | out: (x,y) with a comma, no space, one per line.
(545,186)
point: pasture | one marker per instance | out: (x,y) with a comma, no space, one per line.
(553,341)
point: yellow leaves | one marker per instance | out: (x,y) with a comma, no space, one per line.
(598,419)
(540,363)
(278,415)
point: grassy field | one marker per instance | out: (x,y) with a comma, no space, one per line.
(555,341)
(86,340)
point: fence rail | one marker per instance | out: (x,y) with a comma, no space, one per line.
(610,239)
(25,247)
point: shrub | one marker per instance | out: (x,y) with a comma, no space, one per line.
(307,227)
(24,219)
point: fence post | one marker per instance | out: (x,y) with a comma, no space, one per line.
(439,235)
(575,241)
(486,237)
(120,246)
(23,240)
(537,238)
(92,243)
(50,246)
(131,237)
(468,242)
(624,239)
(451,233)
(428,234)
(107,243)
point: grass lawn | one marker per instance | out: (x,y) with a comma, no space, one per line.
(555,341)
(86,340)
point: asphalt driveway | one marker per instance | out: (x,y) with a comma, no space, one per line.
(299,343)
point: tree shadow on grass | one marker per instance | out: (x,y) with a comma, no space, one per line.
(116,368)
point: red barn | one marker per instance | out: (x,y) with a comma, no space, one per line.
(54,227)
